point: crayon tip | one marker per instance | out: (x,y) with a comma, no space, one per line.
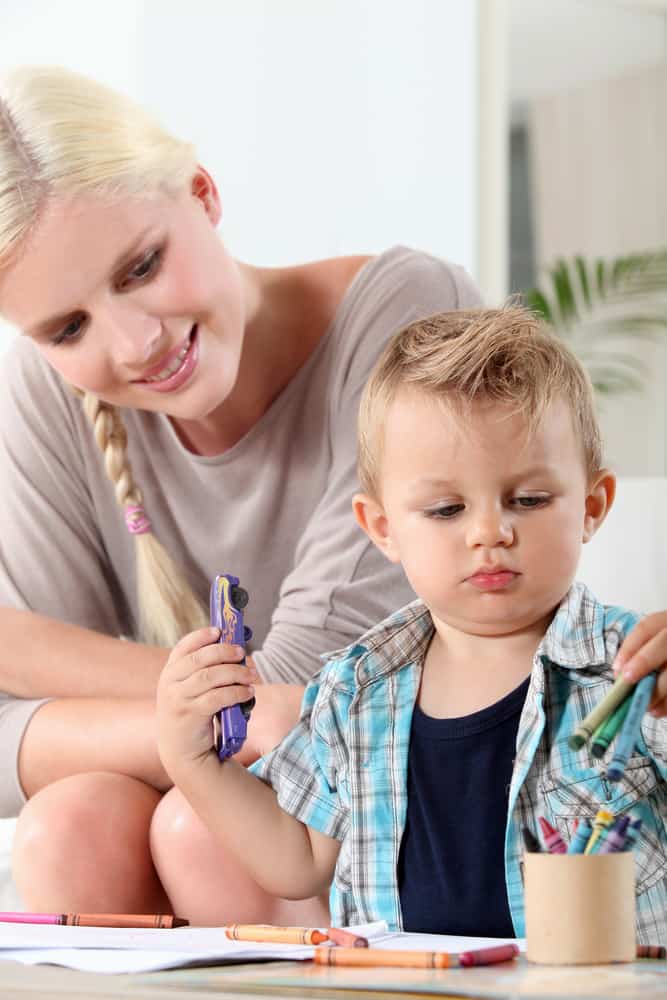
(576,741)
(614,773)
(597,750)
(546,827)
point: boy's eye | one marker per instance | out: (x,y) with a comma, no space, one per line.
(530,501)
(69,332)
(446,510)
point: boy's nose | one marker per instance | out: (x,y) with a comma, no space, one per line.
(490,528)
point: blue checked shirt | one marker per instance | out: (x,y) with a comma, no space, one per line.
(343,769)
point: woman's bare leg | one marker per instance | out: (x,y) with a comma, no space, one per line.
(82,846)
(206,885)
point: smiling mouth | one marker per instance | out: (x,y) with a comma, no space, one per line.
(172,367)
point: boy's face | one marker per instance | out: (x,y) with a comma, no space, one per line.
(487,520)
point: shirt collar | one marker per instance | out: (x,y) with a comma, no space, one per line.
(575,638)
(401,639)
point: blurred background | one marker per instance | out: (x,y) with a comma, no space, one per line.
(511,136)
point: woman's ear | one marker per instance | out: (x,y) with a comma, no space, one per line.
(601,493)
(203,188)
(372,519)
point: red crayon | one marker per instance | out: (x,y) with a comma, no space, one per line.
(651,951)
(552,838)
(489,956)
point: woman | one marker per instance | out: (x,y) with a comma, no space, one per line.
(214,409)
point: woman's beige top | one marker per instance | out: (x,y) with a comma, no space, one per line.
(275,510)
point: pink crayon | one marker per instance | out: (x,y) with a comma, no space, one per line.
(489,956)
(552,838)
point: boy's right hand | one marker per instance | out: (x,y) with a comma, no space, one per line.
(200,677)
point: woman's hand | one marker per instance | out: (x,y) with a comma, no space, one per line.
(200,677)
(643,652)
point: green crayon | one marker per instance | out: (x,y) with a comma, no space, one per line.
(607,729)
(613,698)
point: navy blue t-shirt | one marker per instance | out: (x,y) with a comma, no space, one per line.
(451,868)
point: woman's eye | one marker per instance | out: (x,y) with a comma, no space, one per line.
(144,269)
(69,332)
(446,511)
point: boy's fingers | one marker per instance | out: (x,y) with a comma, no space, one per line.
(223,697)
(640,655)
(193,641)
(199,656)
(217,675)
(658,705)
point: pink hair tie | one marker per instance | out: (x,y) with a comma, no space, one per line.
(137,521)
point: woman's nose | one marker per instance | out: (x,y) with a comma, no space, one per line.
(133,336)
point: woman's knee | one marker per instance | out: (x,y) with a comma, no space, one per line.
(176,832)
(79,840)
(83,811)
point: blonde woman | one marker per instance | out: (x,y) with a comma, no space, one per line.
(168,413)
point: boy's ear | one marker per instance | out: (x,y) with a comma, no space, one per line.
(601,493)
(372,519)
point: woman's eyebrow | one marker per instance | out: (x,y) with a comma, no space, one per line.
(123,259)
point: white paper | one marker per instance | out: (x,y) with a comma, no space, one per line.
(120,950)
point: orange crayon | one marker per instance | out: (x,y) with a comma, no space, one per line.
(377,957)
(275,935)
(346,938)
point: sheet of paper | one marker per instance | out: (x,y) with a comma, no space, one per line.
(440,942)
(116,949)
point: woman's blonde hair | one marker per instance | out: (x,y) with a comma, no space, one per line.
(507,356)
(64,134)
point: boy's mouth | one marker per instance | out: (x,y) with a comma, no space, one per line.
(497,578)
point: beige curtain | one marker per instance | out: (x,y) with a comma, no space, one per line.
(599,178)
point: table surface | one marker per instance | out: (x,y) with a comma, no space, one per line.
(300,980)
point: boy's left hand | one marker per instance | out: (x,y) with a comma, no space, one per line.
(643,652)
(200,677)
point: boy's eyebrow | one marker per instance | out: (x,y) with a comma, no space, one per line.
(435,482)
(121,261)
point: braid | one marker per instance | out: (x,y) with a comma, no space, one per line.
(168,608)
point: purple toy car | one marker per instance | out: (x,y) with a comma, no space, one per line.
(228,600)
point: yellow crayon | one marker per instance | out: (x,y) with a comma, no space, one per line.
(602,819)
(275,935)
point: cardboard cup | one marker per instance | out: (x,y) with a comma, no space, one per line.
(580,909)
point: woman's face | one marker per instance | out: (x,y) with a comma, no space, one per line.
(135,299)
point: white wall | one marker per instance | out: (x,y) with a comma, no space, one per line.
(558,46)
(331,126)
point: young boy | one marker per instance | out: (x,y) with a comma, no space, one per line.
(423,748)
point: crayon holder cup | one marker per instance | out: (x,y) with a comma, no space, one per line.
(580,909)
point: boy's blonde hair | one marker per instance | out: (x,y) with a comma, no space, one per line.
(63,134)
(506,356)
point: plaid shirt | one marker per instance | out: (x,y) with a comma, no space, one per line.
(343,769)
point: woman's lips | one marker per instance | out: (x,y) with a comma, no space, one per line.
(180,376)
(496,580)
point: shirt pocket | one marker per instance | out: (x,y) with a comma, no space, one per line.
(639,792)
